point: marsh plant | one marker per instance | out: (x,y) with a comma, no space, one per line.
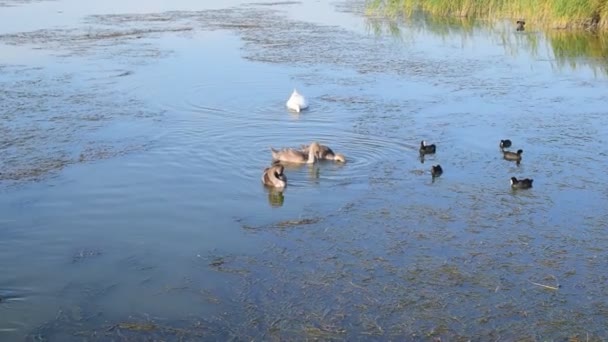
(573,49)
(588,14)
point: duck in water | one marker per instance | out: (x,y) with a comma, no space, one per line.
(436,170)
(521,183)
(427,149)
(516,156)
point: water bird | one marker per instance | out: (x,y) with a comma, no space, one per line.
(426,149)
(297,102)
(522,183)
(291,155)
(326,153)
(520,25)
(274,176)
(508,155)
(505,143)
(436,170)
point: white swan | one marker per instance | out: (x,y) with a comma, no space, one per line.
(297,102)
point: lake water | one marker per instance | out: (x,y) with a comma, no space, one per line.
(133,137)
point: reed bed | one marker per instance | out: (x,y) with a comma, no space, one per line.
(563,14)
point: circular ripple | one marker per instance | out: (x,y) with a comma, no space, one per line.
(235,139)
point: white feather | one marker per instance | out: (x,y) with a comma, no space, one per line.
(297,102)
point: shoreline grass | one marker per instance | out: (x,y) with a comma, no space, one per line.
(573,49)
(559,14)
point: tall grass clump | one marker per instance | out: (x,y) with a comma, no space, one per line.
(588,14)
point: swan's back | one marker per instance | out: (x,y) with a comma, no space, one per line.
(296,101)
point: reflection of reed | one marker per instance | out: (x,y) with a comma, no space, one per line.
(572,48)
(569,49)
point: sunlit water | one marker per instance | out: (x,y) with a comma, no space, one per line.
(133,147)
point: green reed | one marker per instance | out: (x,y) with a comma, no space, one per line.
(553,13)
(570,48)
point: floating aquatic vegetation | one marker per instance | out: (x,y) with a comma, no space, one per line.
(45,115)
(84,254)
(11,3)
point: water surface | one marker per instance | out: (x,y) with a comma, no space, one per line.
(133,141)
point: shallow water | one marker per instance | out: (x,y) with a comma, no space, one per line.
(133,141)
